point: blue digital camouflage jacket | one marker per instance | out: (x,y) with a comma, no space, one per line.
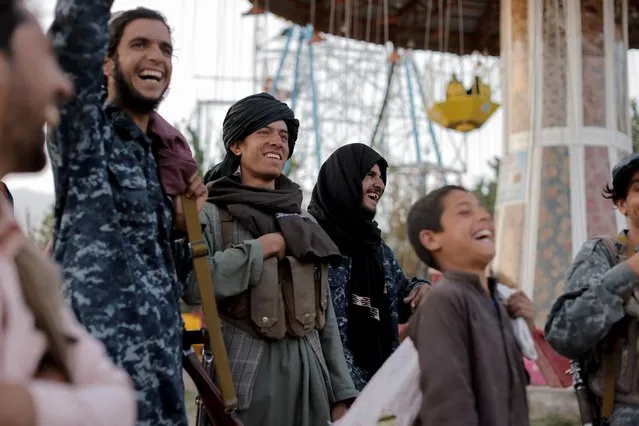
(113,223)
(397,286)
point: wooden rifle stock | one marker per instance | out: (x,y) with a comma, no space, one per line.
(210,396)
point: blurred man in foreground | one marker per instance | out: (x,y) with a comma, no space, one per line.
(52,372)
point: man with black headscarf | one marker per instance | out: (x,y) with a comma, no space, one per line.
(368,287)
(269,264)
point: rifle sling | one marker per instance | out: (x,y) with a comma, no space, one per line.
(200,253)
(611,357)
(610,380)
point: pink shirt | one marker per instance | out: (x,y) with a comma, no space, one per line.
(101,394)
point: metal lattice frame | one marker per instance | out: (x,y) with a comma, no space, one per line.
(337,88)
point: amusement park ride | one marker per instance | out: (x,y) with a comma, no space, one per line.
(401,76)
(379,78)
(348,89)
(464,110)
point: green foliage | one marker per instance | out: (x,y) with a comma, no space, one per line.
(31,229)
(486,189)
(45,234)
(41,235)
(293,167)
(634,125)
(193,139)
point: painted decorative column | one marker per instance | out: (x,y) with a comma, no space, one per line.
(566,123)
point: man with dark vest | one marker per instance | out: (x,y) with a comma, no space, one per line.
(269,262)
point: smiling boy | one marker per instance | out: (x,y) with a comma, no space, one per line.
(471,368)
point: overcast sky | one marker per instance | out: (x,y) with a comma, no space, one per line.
(212,38)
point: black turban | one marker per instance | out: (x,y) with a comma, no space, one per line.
(245,117)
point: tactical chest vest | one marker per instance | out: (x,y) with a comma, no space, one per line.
(290,300)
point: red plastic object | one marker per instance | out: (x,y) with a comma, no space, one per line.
(536,377)
(553,366)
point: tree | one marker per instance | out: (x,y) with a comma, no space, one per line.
(41,235)
(634,125)
(193,139)
(402,195)
(30,227)
(45,233)
(486,189)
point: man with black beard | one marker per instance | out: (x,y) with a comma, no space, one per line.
(370,292)
(114,182)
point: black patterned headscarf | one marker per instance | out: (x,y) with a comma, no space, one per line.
(245,117)
(336,203)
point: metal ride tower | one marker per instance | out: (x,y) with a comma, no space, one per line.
(346,91)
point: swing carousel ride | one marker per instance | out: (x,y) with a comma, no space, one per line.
(351,83)
(439,27)
(429,68)
(421,81)
(427,112)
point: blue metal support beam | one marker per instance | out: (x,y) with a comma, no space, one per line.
(288,33)
(296,74)
(315,106)
(413,117)
(431,130)
(378,132)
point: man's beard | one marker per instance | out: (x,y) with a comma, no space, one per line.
(130,98)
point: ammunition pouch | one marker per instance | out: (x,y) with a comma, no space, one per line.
(290,300)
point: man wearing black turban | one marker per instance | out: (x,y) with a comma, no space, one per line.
(368,288)
(254,228)
(245,117)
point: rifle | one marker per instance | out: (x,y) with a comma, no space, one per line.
(220,403)
(584,397)
(209,395)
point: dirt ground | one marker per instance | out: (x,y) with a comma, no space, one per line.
(190,394)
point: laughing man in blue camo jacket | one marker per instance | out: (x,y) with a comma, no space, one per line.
(113,219)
